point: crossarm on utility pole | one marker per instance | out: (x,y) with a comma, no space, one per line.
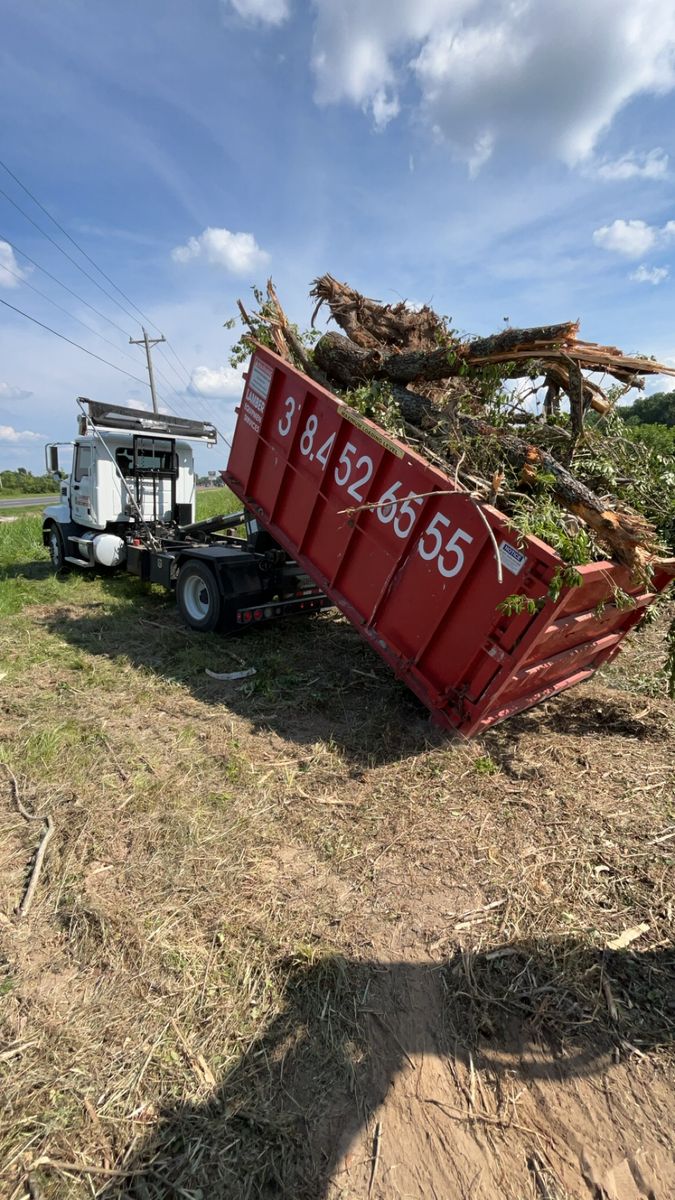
(149,343)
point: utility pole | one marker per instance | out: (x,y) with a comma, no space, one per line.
(149,343)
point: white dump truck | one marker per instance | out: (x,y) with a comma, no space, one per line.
(129,504)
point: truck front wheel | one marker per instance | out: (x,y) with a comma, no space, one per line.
(56,551)
(199,600)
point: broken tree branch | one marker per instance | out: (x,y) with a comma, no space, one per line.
(17,798)
(24,907)
(630,538)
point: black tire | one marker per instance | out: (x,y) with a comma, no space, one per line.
(57,551)
(198,597)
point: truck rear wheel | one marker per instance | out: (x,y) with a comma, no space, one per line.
(56,549)
(198,597)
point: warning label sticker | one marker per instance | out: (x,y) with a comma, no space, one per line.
(514,560)
(260,378)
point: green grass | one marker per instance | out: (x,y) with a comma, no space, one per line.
(486,765)
(24,510)
(17,494)
(211,502)
(26,576)
(233,862)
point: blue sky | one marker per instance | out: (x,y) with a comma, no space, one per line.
(498,158)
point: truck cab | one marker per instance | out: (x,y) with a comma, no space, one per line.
(129,471)
(129,503)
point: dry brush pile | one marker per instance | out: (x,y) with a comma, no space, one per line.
(524,420)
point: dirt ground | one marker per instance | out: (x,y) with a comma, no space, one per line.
(289,941)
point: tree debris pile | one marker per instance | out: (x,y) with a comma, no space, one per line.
(523,419)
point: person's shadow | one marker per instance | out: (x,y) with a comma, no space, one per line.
(281,1121)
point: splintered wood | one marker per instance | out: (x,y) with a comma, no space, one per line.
(444,389)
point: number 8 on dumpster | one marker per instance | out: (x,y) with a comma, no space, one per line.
(451,560)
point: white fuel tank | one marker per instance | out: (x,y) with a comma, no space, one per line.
(109,549)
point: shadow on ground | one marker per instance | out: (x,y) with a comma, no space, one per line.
(315,680)
(283,1118)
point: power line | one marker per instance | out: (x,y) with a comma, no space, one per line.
(77,345)
(81,299)
(77,245)
(186,372)
(66,254)
(72,316)
(191,384)
(198,416)
(65,287)
(188,376)
(84,349)
(179,360)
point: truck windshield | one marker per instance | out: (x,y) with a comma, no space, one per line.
(149,456)
(155,455)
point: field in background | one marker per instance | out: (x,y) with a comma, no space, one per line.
(288,941)
(25,576)
(212,501)
(23,510)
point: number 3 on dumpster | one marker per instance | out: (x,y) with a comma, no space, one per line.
(431,549)
(284,425)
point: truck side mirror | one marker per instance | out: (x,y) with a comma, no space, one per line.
(54,460)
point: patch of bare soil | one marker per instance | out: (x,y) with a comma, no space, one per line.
(510,1118)
(291,942)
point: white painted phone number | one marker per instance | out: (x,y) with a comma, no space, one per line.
(354,473)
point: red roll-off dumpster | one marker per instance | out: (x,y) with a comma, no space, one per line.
(417,575)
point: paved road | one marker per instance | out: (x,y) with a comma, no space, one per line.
(29,501)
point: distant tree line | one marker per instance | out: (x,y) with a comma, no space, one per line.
(24,483)
(208,481)
(658,409)
(651,420)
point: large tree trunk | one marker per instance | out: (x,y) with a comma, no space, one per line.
(345,362)
(351,364)
(628,537)
(415,334)
(541,336)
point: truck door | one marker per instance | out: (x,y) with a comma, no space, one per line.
(82,498)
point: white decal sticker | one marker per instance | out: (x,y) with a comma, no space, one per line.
(512,559)
(254,408)
(261,378)
(255,401)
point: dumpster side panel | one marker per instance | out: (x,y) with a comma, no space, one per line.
(410,559)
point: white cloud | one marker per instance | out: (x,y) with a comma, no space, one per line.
(653,275)
(653,165)
(10,394)
(482,151)
(9,434)
(8,263)
(268,12)
(631,238)
(499,71)
(216,381)
(238,253)
(385,108)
